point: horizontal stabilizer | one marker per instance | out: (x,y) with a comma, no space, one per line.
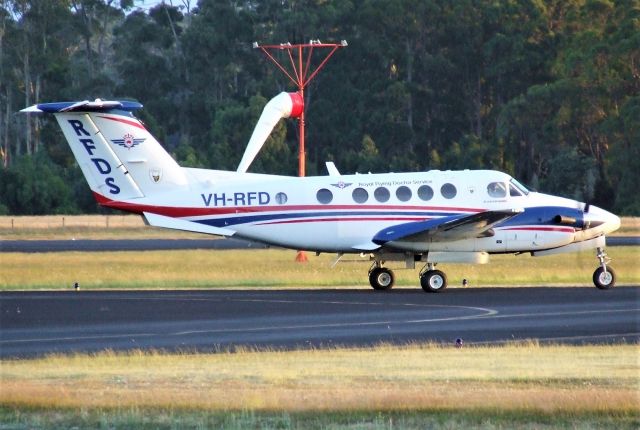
(180,224)
(83,106)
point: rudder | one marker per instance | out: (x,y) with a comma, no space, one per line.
(119,158)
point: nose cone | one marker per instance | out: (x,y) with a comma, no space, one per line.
(601,219)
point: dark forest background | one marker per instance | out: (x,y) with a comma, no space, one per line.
(547,91)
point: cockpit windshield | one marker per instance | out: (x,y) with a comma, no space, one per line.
(518,186)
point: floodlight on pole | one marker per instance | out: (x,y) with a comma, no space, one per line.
(300,74)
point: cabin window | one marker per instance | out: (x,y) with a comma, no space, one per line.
(519,186)
(448,191)
(281,198)
(403,193)
(381,194)
(360,195)
(324,196)
(425,192)
(514,192)
(497,189)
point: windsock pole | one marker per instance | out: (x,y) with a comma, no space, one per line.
(300,77)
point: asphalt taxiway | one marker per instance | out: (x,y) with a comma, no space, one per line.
(100,245)
(37,323)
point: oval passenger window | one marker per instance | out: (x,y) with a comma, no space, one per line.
(381,194)
(425,192)
(360,195)
(448,191)
(324,196)
(403,193)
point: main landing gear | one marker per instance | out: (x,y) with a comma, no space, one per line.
(604,277)
(431,280)
(380,277)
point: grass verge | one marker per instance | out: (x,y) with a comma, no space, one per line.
(276,268)
(412,386)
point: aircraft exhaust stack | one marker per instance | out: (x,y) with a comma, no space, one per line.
(284,105)
(565,220)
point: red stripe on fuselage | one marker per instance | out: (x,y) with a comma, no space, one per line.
(125,121)
(562,229)
(179,212)
(300,221)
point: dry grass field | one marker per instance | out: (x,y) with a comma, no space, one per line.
(526,380)
(514,377)
(276,268)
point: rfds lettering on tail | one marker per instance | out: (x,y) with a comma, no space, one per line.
(102,166)
(428,218)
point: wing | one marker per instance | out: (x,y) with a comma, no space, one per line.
(445,229)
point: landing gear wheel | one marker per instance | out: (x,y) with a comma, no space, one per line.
(381,278)
(433,281)
(604,280)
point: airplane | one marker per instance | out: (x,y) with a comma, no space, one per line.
(431,217)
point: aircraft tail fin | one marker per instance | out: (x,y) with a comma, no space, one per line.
(119,158)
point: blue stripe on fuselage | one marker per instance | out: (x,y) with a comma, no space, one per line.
(246,219)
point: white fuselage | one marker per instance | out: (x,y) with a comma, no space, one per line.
(343,213)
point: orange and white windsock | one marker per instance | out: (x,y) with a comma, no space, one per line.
(284,105)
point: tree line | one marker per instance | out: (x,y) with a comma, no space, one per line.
(547,91)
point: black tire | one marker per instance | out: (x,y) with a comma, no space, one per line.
(381,278)
(433,281)
(602,280)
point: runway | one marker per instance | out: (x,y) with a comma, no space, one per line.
(37,323)
(113,245)
(96,245)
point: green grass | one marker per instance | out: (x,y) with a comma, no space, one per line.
(276,268)
(413,386)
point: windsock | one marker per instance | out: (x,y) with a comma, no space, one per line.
(284,105)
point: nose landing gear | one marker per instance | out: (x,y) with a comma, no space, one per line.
(604,277)
(431,280)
